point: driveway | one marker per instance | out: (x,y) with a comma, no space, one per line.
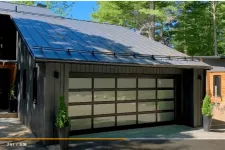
(13,128)
(137,139)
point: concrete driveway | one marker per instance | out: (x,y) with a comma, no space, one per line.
(13,128)
(137,138)
(171,137)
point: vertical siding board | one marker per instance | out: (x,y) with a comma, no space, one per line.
(49,102)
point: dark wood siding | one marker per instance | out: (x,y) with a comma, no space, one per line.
(30,114)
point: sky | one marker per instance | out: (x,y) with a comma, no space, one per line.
(81,10)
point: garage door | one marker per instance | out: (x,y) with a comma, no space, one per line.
(96,103)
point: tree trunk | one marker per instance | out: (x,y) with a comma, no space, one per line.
(151,32)
(214,27)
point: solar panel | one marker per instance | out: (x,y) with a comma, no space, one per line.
(37,53)
(77,56)
(64,55)
(50,54)
(127,59)
(89,57)
(107,58)
(37,38)
(71,37)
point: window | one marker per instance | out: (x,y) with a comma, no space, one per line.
(35,85)
(216,85)
(24,83)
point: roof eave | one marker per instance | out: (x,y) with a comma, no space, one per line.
(40,60)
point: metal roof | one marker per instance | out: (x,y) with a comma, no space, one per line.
(217,69)
(50,37)
(211,57)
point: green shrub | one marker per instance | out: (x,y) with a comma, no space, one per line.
(62,118)
(207,106)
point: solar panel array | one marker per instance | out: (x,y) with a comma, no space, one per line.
(65,39)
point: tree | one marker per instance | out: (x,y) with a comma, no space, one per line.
(200,29)
(147,18)
(59,8)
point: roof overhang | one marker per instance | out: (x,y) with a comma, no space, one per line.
(210,57)
(206,67)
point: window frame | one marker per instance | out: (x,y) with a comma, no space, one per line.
(214,84)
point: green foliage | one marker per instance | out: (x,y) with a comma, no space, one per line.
(62,118)
(138,15)
(59,8)
(62,8)
(12,93)
(207,106)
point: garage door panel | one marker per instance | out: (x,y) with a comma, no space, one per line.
(100,122)
(126,107)
(79,110)
(126,95)
(104,96)
(126,83)
(80,97)
(146,118)
(126,120)
(165,94)
(79,124)
(165,83)
(146,94)
(146,83)
(80,83)
(165,105)
(104,109)
(165,116)
(146,106)
(104,83)
(111,102)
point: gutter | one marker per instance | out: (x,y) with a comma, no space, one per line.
(119,64)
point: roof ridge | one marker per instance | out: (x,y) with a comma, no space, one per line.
(21,4)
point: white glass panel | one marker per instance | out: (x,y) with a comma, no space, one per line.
(146,83)
(146,106)
(167,116)
(126,120)
(146,118)
(126,107)
(79,110)
(104,96)
(79,83)
(166,105)
(126,83)
(104,109)
(78,124)
(104,122)
(167,83)
(104,83)
(165,94)
(126,95)
(80,97)
(146,94)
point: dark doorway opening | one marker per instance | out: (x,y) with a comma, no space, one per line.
(4,88)
(7,38)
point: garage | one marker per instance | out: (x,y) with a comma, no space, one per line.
(102,103)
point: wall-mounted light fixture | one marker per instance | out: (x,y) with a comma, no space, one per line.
(56,74)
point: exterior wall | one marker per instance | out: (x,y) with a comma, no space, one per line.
(30,114)
(199,93)
(59,86)
(210,89)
